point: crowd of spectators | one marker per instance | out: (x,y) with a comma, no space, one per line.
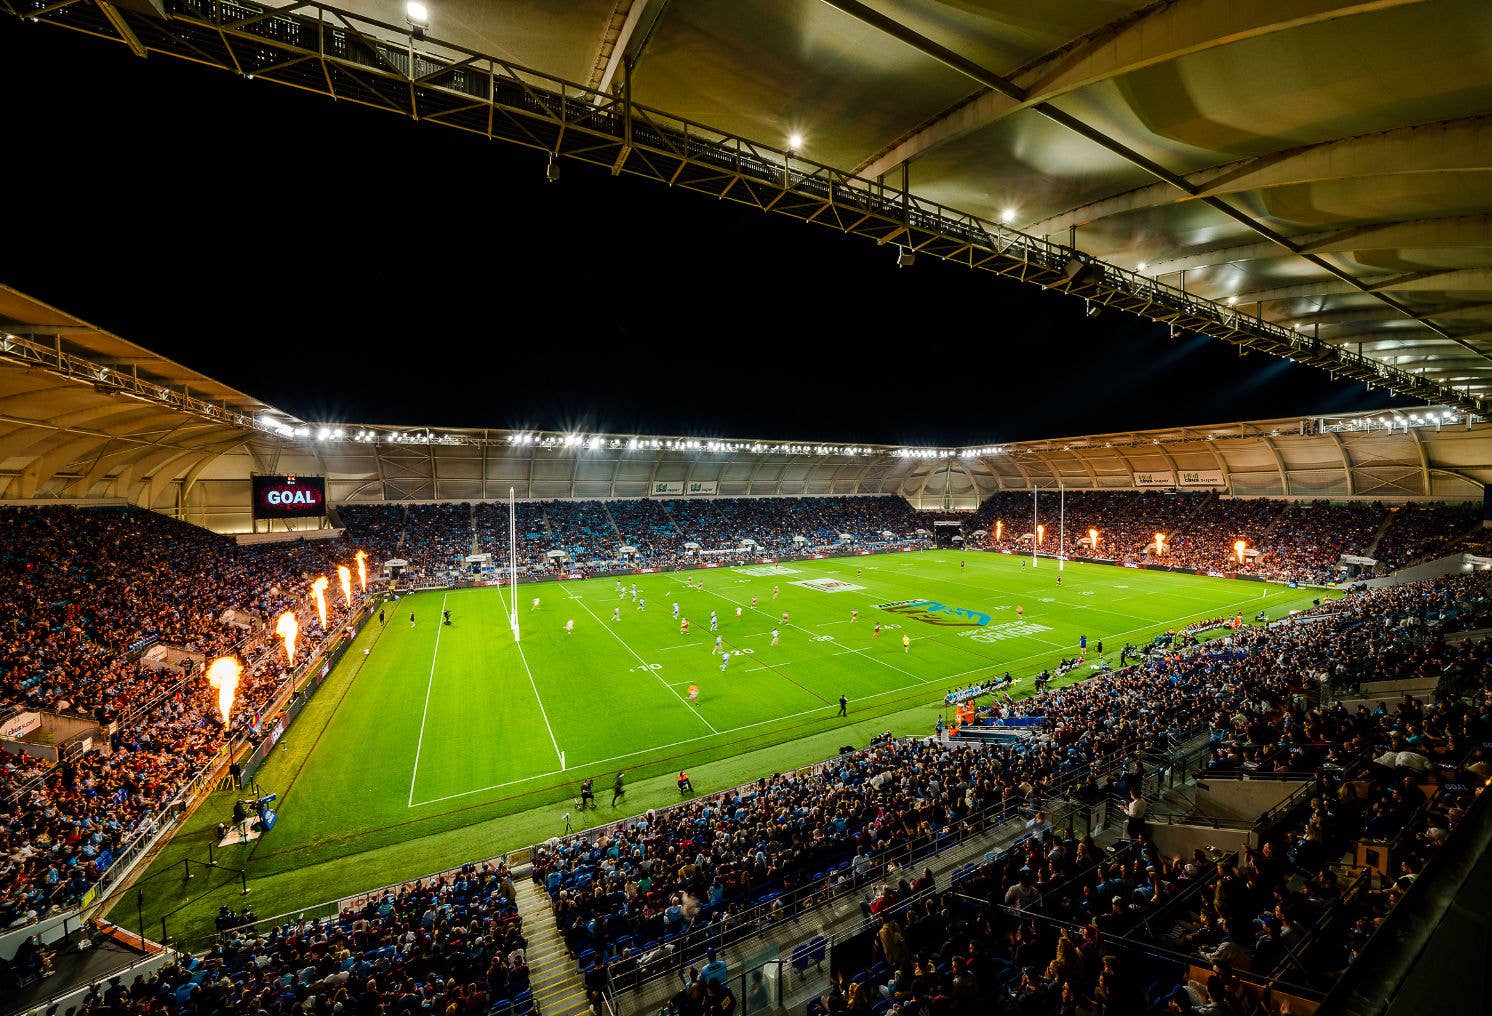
(446,944)
(642,893)
(88,592)
(1284,540)
(1419,531)
(1301,541)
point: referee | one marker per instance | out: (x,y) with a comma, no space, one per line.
(616,790)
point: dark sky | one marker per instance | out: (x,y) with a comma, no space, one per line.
(350,265)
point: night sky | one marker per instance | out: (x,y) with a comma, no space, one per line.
(349,265)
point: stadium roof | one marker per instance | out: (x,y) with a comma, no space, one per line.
(86,415)
(1308,177)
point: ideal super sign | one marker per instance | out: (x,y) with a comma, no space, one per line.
(933,612)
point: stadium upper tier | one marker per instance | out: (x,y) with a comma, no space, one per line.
(87,415)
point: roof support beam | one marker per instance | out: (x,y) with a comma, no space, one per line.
(1453,146)
(628,42)
(1453,231)
(1158,33)
(1460,279)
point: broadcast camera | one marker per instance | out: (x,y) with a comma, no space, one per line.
(259,807)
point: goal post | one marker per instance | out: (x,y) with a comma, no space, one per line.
(513,563)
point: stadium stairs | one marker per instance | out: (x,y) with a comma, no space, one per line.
(606,507)
(554,979)
(1383,527)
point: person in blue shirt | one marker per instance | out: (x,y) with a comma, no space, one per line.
(714,968)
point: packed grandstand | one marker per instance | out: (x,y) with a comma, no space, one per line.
(653,893)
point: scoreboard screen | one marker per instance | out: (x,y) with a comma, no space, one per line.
(289,497)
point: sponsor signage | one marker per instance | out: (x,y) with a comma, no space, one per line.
(1001,632)
(1202,478)
(1156,478)
(21,725)
(827,585)
(289,497)
(701,488)
(666,487)
(934,612)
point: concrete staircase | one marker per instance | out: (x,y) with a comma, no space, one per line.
(553,975)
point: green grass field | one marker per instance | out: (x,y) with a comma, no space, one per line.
(443,744)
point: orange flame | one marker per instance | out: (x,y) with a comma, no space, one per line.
(344,576)
(1040,535)
(288,628)
(362,569)
(1238,548)
(223,675)
(999,529)
(1160,543)
(1093,539)
(318,590)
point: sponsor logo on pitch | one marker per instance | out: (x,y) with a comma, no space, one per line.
(934,612)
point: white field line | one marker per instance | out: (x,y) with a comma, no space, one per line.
(806,712)
(559,756)
(701,737)
(429,682)
(682,701)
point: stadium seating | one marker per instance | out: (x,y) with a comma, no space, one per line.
(647,895)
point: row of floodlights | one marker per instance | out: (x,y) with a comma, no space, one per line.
(595,442)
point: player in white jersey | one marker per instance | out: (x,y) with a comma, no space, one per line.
(676,610)
(634,594)
(570,627)
(642,603)
(774,636)
(719,644)
(619,590)
(616,613)
(724,659)
(738,613)
(536,604)
(714,624)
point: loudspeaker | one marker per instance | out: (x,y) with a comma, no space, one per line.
(1082,273)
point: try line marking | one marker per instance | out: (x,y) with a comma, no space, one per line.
(426,712)
(559,755)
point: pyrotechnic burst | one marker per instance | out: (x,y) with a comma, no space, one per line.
(318,590)
(1239,546)
(1160,544)
(223,675)
(344,576)
(362,569)
(1093,539)
(999,529)
(288,628)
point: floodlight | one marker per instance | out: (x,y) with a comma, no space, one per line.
(794,142)
(1141,266)
(417,12)
(1007,216)
(904,257)
(1091,309)
(1232,301)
